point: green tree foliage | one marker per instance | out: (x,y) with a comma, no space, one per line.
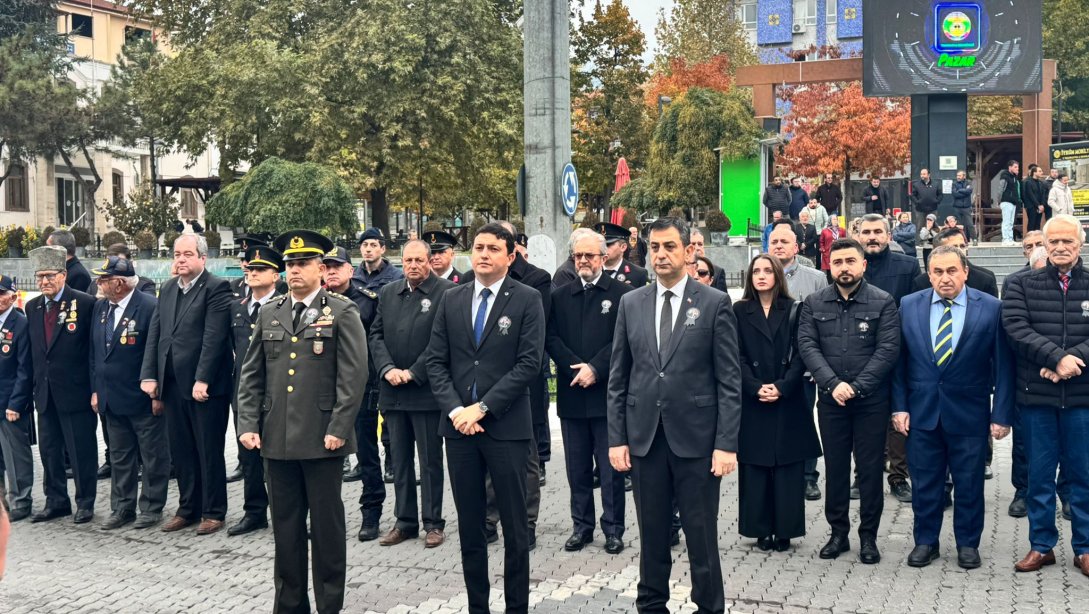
(144,209)
(608,75)
(278,195)
(385,92)
(1071,50)
(698,30)
(683,165)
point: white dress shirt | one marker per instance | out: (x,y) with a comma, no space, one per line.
(675,301)
(307,300)
(477,289)
(121,306)
(186,287)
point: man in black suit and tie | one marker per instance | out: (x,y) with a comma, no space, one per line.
(60,336)
(486,348)
(580,339)
(674,410)
(137,429)
(188,363)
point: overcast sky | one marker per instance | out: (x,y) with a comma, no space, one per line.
(645,12)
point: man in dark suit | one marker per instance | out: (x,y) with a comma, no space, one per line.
(580,337)
(137,429)
(674,410)
(979,278)
(616,266)
(486,348)
(16,387)
(188,364)
(60,336)
(954,354)
(78,277)
(300,389)
(263,268)
(442,254)
(398,342)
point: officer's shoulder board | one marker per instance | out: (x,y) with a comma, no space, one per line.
(279,300)
(371,294)
(339,297)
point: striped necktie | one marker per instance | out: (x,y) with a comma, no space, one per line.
(943,341)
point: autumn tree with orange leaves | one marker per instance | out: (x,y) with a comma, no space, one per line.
(835,129)
(714,74)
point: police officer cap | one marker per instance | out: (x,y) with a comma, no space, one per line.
(302,244)
(263,256)
(439,241)
(246,241)
(7,284)
(372,233)
(338,256)
(117,266)
(612,232)
(522,239)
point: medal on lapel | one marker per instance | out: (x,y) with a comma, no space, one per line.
(504,325)
(605,306)
(425,305)
(691,316)
(1085,309)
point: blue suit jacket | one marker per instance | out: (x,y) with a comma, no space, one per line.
(16,370)
(115,375)
(958,392)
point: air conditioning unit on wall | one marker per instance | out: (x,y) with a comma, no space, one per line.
(798,28)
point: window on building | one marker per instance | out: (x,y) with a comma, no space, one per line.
(133,33)
(82,25)
(118,187)
(16,192)
(805,12)
(188,204)
(830,11)
(747,15)
(71,202)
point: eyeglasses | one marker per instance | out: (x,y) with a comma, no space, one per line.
(45,276)
(703,272)
(585,256)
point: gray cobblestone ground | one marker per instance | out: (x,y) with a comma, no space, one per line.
(60,568)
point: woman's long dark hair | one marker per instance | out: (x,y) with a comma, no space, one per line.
(780,289)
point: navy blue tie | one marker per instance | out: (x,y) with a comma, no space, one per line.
(481,316)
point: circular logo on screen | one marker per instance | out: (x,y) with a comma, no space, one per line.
(957,26)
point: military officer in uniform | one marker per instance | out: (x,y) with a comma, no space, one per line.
(16,386)
(239,286)
(616,238)
(442,254)
(301,386)
(263,268)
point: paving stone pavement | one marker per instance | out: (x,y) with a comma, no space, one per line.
(59,568)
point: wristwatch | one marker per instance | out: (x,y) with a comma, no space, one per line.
(483,408)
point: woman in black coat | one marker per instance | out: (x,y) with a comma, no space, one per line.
(777,433)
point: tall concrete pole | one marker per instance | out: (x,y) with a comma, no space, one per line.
(547,90)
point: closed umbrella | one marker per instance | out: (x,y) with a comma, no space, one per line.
(623,176)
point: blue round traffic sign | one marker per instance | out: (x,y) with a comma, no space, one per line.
(569,189)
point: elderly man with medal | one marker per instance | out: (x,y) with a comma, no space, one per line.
(299,391)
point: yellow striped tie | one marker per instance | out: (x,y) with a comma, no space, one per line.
(943,341)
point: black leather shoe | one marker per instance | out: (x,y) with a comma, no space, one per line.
(968,558)
(49,514)
(146,521)
(947,501)
(837,545)
(235,475)
(68,475)
(118,519)
(868,553)
(248,524)
(674,538)
(368,532)
(765,543)
(19,514)
(1018,508)
(856,494)
(104,471)
(354,475)
(613,544)
(812,491)
(782,545)
(577,541)
(902,491)
(543,478)
(987,473)
(597,481)
(387,476)
(491,534)
(1066,511)
(922,555)
(627,482)
(83,516)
